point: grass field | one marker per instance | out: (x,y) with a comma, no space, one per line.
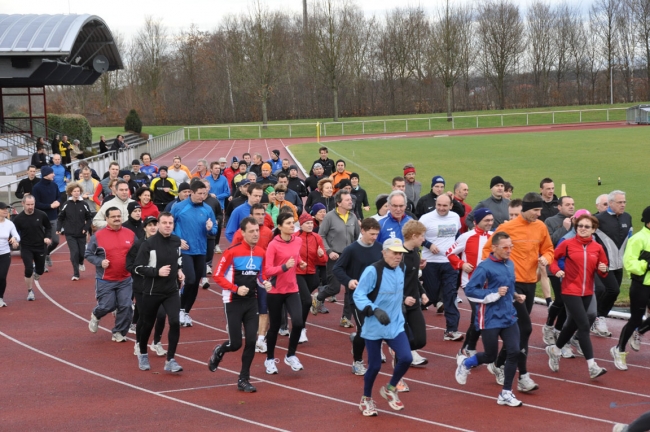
(574,158)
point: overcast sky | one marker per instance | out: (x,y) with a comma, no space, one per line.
(126,16)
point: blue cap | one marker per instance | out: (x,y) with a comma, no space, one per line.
(437,179)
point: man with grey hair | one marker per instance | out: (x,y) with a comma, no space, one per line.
(201,169)
(601,203)
(256,167)
(390,226)
(615,227)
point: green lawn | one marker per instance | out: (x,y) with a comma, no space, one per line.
(574,158)
(111,132)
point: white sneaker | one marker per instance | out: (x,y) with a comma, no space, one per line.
(74,278)
(118,337)
(620,358)
(567,352)
(284,332)
(600,327)
(82,267)
(217,249)
(418,360)
(93,325)
(459,300)
(260,346)
(303,336)
(498,373)
(508,398)
(30,296)
(208,270)
(132,329)
(181,318)
(294,363)
(462,371)
(553,358)
(548,335)
(575,343)
(188,320)
(595,371)
(158,349)
(136,349)
(635,340)
(358,368)
(270,366)
(205,284)
(526,384)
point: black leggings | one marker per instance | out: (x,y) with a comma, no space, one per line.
(307,283)
(242,311)
(5,262)
(641,424)
(472,335)
(294,308)
(557,312)
(510,336)
(358,343)
(33,258)
(149,310)
(194,269)
(639,300)
(77,247)
(415,327)
(159,327)
(608,291)
(525,326)
(577,307)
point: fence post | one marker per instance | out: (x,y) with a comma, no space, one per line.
(429,123)
(553,117)
(199,131)
(384,126)
(342,129)
(607,114)
(228,131)
(407,125)
(259,131)
(452,123)
(476,122)
(363,128)
(501,120)
(580,116)
(289,130)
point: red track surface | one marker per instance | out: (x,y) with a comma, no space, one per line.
(57,375)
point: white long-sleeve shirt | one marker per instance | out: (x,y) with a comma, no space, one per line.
(441,231)
(7,230)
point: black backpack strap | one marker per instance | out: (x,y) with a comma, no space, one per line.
(379,267)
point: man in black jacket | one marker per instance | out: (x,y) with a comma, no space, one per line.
(26,185)
(427,203)
(549,199)
(74,221)
(39,159)
(35,231)
(296,184)
(46,194)
(325,161)
(317,173)
(163,280)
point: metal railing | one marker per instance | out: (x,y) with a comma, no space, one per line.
(400,125)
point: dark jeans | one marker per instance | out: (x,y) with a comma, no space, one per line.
(404,358)
(77,247)
(557,312)
(525,326)
(148,312)
(294,308)
(639,300)
(608,291)
(441,278)
(159,327)
(193,269)
(33,259)
(510,337)
(5,262)
(577,308)
(415,327)
(242,311)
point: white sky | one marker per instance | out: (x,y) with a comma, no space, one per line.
(126,16)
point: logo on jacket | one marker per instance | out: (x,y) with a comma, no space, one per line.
(250,265)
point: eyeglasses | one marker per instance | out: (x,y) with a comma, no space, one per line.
(620,202)
(581,226)
(397,206)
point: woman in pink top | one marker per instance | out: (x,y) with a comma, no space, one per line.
(282,257)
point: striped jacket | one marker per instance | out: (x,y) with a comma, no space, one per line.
(468,248)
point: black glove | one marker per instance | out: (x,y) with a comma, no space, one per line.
(381,316)
(645,255)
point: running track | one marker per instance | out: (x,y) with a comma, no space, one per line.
(57,375)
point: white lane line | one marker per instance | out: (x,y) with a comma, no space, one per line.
(204,387)
(134,387)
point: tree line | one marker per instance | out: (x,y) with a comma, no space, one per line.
(333,61)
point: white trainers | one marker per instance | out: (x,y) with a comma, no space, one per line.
(595,371)
(158,349)
(217,249)
(358,368)
(136,349)
(567,352)
(548,335)
(553,358)
(575,344)
(181,317)
(93,325)
(82,267)
(118,337)
(599,327)
(30,296)
(208,270)
(188,320)
(526,384)
(498,373)
(205,283)
(74,278)
(620,358)
(303,336)
(270,365)
(462,371)
(418,360)
(132,329)
(508,398)
(260,346)
(294,363)
(453,336)
(635,341)
(284,332)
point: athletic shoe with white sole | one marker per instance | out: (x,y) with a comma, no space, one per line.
(172,366)
(440,307)
(619,427)
(48,261)
(188,320)
(498,372)
(526,384)
(575,343)
(506,397)
(143,362)
(331,299)
(392,398)
(205,284)
(346,323)
(548,335)
(82,267)
(553,358)
(303,336)
(402,387)
(217,249)
(74,278)
(260,346)
(595,371)
(30,296)
(315,304)
(132,329)
(118,337)
(418,360)
(270,365)
(294,363)
(367,407)
(454,336)
(181,317)
(358,368)
(284,332)
(215,358)
(136,349)
(620,358)
(599,327)
(462,371)
(245,386)
(635,340)
(208,270)
(93,325)
(158,349)
(567,352)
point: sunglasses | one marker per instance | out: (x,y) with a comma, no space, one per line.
(581,226)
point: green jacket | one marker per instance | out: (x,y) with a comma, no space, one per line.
(638,243)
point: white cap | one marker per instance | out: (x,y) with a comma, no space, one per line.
(394,244)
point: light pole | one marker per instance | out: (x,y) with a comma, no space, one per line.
(611,85)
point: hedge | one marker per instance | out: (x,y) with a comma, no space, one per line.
(75,126)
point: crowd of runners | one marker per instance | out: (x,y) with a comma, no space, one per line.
(152,233)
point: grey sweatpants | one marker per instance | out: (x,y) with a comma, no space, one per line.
(115,296)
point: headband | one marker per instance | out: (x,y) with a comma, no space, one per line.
(525,206)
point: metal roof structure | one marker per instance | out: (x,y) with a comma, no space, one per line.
(41,50)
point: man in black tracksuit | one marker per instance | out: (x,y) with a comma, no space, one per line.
(46,194)
(427,203)
(27,184)
(162,282)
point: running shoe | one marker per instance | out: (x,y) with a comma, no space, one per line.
(352,336)
(391,397)
(346,323)
(172,366)
(466,352)
(575,343)
(383,356)
(506,397)
(270,365)
(118,337)
(136,349)
(402,387)
(46,270)
(215,358)
(322,309)
(595,371)
(208,270)
(48,260)
(548,335)
(315,304)
(620,358)
(619,427)
(36,276)
(93,325)
(217,249)
(440,307)
(462,371)
(74,278)
(455,336)
(3,304)
(158,349)
(188,320)
(284,332)
(367,407)
(244,385)
(143,362)
(599,327)
(497,372)
(553,358)
(181,317)
(294,363)
(459,300)
(132,329)
(358,368)
(526,384)
(418,360)
(331,299)
(635,340)
(260,346)
(30,296)
(82,267)
(303,336)
(567,352)
(205,284)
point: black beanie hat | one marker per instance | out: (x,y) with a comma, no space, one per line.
(496,180)
(132,206)
(380,201)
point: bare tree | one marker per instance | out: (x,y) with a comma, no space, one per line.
(541,52)
(603,18)
(593,60)
(188,46)
(567,22)
(628,41)
(151,45)
(577,44)
(500,33)
(361,44)
(641,14)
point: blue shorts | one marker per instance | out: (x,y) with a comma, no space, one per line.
(261,301)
